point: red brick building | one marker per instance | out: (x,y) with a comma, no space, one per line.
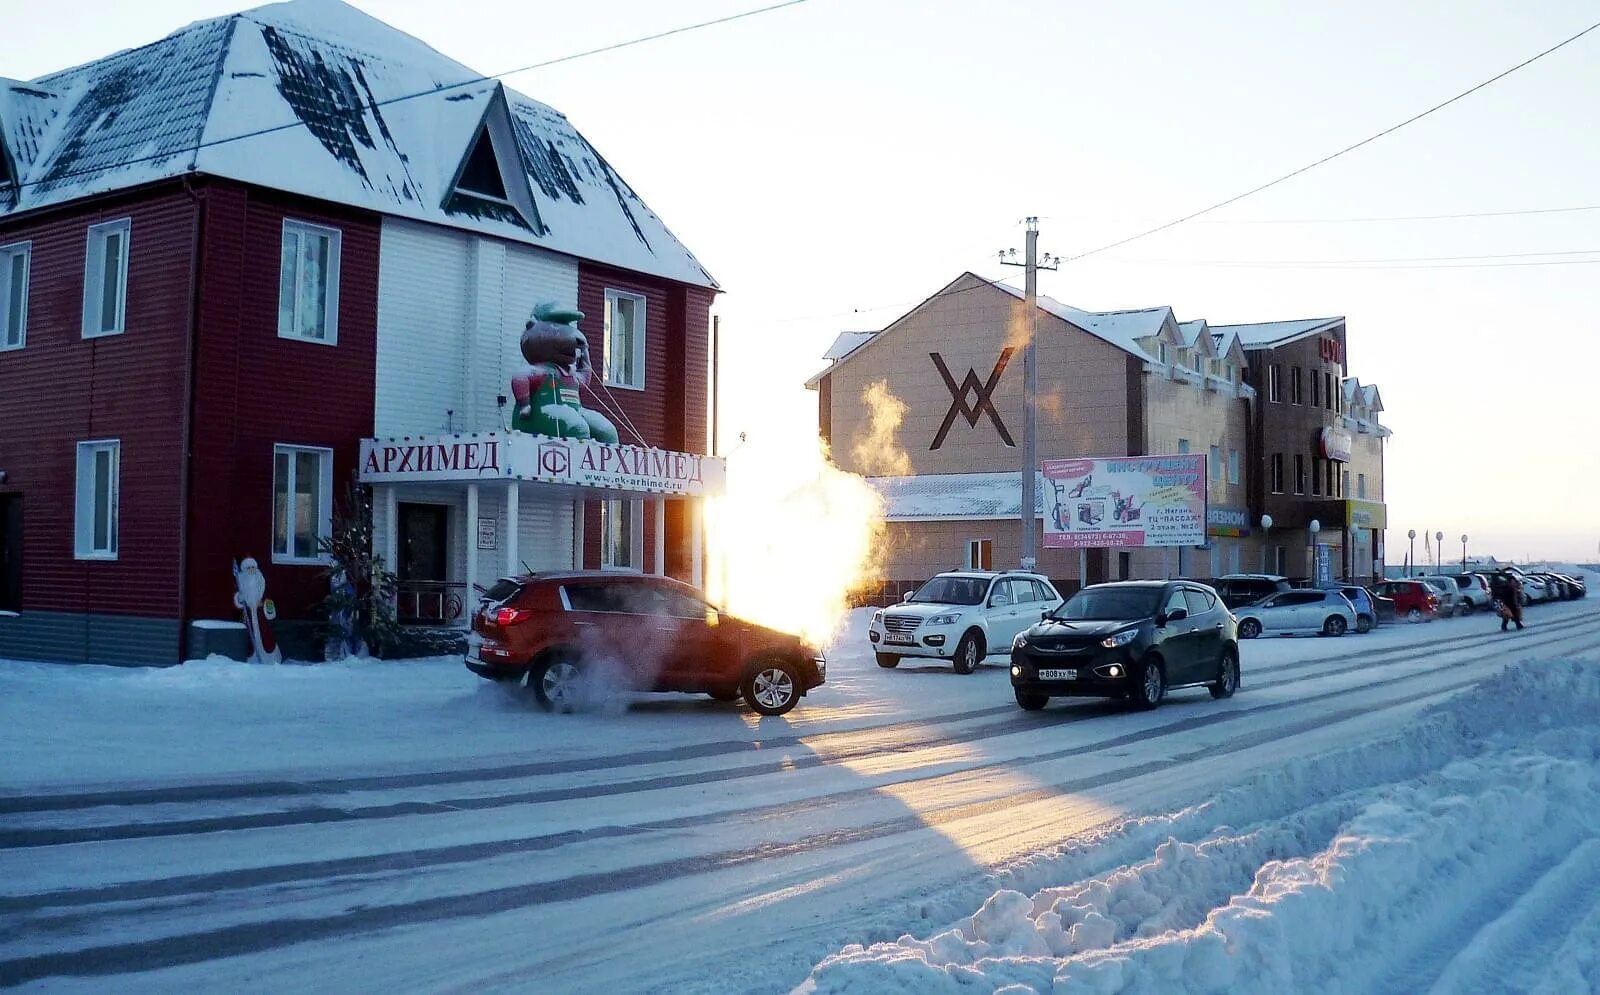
(206,317)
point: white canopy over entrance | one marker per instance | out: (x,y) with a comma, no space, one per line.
(509,502)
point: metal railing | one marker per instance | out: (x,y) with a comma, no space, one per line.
(429,602)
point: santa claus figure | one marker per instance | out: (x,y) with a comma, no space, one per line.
(251,600)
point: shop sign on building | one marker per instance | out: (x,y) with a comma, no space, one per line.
(539,459)
(1366,515)
(1125,501)
(1337,444)
(1227,521)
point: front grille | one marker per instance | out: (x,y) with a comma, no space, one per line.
(901,623)
(1060,645)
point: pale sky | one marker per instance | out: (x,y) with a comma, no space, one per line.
(835,162)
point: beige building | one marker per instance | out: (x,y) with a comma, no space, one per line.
(930,408)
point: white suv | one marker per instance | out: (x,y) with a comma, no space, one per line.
(962,616)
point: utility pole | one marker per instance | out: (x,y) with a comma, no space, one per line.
(1030,381)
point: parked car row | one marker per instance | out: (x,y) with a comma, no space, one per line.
(565,635)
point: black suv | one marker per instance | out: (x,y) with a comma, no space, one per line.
(1135,639)
(1239,590)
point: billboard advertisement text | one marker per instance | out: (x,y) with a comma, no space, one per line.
(1125,501)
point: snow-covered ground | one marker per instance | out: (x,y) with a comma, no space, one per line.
(1373,813)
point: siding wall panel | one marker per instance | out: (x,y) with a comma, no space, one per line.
(62,389)
(255,390)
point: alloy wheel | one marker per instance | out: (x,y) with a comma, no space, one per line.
(1152,683)
(773,687)
(563,684)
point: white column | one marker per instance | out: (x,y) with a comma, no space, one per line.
(391,527)
(661,536)
(513,561)
(577,535)
(472,549)
(696,544)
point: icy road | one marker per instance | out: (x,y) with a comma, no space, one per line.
(1413,810)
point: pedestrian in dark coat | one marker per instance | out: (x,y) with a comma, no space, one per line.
(1513,602)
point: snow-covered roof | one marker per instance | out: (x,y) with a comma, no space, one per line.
(1227,345)
(1197,335)
(1123,329)
(1270,334)
(1366,395)
(933,496)
(316,98)
(845,344)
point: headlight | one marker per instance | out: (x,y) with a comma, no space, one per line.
(877,616)
(1120,639)
(1020,641)
(949,618)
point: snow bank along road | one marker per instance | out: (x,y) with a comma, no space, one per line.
(901,830)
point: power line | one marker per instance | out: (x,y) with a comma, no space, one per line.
(1336,263)
(1382,266)
(1402,217)
(1334,155)
(443,88)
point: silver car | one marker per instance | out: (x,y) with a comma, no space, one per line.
(1449,593)
(1323,613)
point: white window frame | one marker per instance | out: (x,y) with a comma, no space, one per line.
(330,317)
(94,270)
(7,253)
(1233,466)
(1275,473)
(1361,486)
(83,518)
(1161,354)
(324,502)
(1215,458)
(975,554)
(635,511)
(640,331)
(1183,447)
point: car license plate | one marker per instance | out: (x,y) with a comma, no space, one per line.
(898,639)
(1058,675)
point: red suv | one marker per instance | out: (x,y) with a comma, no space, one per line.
(558,632)
(1413,599)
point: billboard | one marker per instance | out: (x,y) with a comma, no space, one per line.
(1125,501)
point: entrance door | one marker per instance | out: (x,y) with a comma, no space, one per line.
(423,534)
(11,552)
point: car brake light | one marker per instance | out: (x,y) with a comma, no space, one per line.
(509,616)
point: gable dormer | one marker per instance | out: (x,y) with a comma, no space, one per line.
(490,181)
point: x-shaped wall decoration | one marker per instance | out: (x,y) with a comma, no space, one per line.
(983,405)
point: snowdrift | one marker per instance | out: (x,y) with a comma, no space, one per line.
(1463,852)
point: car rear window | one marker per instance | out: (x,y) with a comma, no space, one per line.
(502,591)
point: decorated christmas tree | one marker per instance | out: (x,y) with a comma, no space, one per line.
(359,607)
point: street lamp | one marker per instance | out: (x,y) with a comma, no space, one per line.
(1463,552)
(1411,558)
(1266,526)
(1314,528)
(1438,552)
